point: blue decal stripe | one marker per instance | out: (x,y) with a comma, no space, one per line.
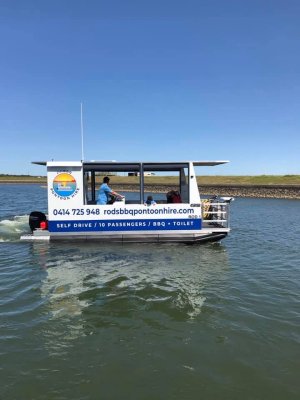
(125,225)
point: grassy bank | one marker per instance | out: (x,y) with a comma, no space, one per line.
(171,180)
(4,178)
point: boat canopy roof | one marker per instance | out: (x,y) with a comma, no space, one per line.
(131,165)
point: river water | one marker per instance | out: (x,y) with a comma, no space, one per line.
(95,321)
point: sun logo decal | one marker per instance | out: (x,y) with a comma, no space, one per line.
(64,186)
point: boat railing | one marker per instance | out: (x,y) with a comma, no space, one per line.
(216,212)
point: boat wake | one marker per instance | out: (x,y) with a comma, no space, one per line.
(11,229)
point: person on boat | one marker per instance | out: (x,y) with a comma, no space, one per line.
(173,196)
(106,193)
(150,201)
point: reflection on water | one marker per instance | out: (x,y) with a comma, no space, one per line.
(92,286)
(89,321)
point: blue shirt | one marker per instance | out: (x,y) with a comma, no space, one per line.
(103,194)
(150,202)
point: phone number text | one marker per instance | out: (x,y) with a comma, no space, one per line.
(76,211)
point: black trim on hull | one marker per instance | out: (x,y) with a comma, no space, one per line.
(212,237)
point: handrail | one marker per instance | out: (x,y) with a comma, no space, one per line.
(214,212)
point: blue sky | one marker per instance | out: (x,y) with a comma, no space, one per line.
(159,80)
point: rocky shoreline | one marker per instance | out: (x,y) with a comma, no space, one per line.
(257,191)
(275,192)
(267,191)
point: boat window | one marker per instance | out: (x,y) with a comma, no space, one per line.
(184,184)
(89,188)
(137,181)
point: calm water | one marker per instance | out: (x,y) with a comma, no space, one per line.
(215,321)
